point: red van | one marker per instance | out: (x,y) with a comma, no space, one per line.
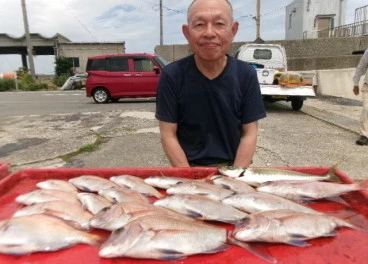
(115,76)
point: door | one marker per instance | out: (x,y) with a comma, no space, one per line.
(118,77)
(145,78)
(323,25)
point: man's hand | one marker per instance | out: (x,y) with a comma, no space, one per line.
(356,90)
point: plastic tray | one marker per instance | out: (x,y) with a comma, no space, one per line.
(349,246)
(4,169)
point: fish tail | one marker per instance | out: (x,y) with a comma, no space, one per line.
(262,253)
(363,184)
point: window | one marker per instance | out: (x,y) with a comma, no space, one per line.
(143,65)
(119,64)
(96,65)
(75,61)
(262,54)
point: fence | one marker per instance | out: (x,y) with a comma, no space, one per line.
(349,30)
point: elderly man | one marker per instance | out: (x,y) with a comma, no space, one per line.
(209,104)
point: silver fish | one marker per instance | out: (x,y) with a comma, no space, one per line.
(209,190)
(257,176)
(137,184)
(54,184)
(165,182)
(70,212)
(45,195)
(118,215)
(93,202)
(259,202)
(232,184)
(201,207)
(288,226)
(120,194)
(40,233)
(310,190)
(164,237)
(91,183)
(232,171)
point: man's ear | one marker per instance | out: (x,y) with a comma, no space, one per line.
(185,30)
(235,28)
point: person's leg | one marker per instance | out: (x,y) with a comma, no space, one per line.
(363,139)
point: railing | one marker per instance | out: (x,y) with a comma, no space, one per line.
(350,30)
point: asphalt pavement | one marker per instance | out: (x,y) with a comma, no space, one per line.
(93,140)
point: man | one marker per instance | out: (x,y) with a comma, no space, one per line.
(362,69)
(209,104)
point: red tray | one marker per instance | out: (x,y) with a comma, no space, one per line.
(4,169)
(349,246)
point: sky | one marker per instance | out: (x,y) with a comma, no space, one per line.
(137,22)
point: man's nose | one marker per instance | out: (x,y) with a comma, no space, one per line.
(209,30)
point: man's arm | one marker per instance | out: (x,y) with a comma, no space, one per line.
(360,71)
(171,146)
(247,145)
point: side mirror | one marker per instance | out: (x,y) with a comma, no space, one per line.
(156,69)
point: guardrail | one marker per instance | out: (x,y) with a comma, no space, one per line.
(349,30)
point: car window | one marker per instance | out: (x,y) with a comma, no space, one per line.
(118,64)
(262,54)
(96,65)
(143,65)
(161,60)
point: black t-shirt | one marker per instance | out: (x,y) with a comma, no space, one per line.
(209,113)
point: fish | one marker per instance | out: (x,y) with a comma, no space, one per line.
(256,202)
(120,194)
(40,233)
(137,184)
(209,190)
(118,215)
(231,171)
(164,182)
(289,227)
(54,184)
(45,195)
(93,202)
(310,190)
(163,237)
(70,212)
(232,184)
(257,176)
(91,183)
(201,207)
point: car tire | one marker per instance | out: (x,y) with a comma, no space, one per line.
(101,96)
(297,104)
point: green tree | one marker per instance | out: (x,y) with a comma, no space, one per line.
(64,66)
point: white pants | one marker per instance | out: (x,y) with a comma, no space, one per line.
(364,115)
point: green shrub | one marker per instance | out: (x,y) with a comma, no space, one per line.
(27,83)
(60,80)
(7,85)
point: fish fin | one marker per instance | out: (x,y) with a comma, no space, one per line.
(260,252)
(171,255)
(194,214)
(337,199)
(331,234)
(332,174)
(220,248)
(297,243)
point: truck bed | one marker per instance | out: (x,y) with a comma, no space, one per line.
(268,89)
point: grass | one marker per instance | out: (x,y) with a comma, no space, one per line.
(85,149)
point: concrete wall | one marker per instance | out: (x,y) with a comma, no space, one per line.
(303,54)
(85,50)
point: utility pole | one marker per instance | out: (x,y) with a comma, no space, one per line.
(28,40)
(258,19)
(161,26)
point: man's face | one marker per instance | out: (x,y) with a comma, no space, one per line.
(211,29)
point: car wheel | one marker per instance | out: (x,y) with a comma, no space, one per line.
(101,96)
(296,104)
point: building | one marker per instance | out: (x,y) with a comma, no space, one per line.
(313,19)
(59,46)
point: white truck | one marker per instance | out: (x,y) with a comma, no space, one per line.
(270,62)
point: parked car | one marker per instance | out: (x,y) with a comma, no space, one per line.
(115,76)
